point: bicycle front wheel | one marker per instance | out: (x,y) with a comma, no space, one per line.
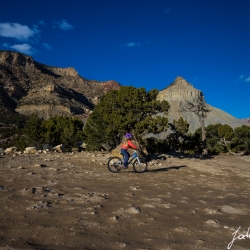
(140,166)
(114,164)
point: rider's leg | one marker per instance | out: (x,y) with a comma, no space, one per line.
(126,156)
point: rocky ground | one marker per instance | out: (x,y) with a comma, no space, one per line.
(71,201)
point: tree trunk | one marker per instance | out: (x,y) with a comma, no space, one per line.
(204,137)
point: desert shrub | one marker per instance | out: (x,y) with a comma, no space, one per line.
(11,124)
(155,145)
(177,139)
(63,130)
(240,139)
(214,143)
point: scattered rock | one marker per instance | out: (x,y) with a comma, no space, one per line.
(115,218)
(231,210)
(39,165)
(213,223)
(10,150)
(133,210)
(60,148)
(30,150)
(40,205)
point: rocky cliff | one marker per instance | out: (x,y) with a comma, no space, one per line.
(30,87)
(180,91)
(246,121)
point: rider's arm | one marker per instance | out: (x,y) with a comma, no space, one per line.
(131,145)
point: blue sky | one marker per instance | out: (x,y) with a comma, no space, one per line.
(143,43)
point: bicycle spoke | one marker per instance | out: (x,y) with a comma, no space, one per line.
(114,165)
(140,166)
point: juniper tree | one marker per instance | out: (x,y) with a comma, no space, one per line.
(199,107)
(128,109)
(63,130)
(240,141)
(177,137)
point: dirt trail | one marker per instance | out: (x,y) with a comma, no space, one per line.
(72,201)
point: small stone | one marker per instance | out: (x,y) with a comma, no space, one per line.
(213,223)
(60,148)
(133,210)
(231,210)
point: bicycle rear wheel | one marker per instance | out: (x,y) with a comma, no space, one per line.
(114,164)
(140,166)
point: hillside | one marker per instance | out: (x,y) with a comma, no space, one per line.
(29,87)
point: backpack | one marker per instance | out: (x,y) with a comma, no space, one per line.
(125,142)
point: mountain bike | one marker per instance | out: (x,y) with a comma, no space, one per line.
(139,164)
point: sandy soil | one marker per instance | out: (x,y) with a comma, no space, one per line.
(72,201)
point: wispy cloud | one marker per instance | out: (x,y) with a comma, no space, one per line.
(47,46)
(64,25)
(131,44)
(247,79)
(244,78)
(17,31)
(167,11)
(23,48)
(42,23)
(6,45)
(27,35)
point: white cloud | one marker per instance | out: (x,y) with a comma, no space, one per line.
(244,78)
(248,79)
(131,44)
(23,48)
(47,46)
(17,31)
(64,25)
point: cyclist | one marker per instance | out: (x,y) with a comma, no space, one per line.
(126,144)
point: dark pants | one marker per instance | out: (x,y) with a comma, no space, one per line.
(126,156)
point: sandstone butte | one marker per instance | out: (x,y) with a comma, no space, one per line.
(180,91)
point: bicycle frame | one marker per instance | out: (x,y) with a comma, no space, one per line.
(134,156)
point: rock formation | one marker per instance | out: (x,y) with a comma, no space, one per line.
(29,87)
(246,121)
(180,91)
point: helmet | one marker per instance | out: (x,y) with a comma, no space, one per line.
(128,135)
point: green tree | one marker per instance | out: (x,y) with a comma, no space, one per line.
(63,130)
(32,133)
(225,132)
(11,125)
(125,110)
(214,144)
(177,138)
(241,139)
(199,107)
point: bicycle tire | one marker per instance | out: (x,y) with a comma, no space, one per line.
(114,164)
(142,167)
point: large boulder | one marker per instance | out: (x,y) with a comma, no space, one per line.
(60,148)
(10,150)
(30,150)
